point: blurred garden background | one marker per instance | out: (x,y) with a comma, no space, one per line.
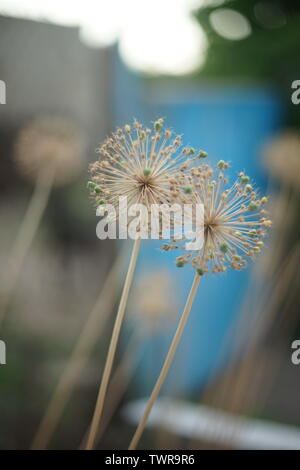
(220,73)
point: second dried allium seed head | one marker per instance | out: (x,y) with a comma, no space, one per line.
(235,219)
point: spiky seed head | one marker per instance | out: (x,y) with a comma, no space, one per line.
(139,163)
(233,223)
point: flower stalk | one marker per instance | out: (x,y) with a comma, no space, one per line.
(167,364)
(112,349)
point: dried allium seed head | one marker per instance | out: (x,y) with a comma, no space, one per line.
(234,220)
(139,163)
(282,158)
(53,142)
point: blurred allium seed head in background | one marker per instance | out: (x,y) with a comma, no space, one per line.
(50,142)
(154,300)
(139,163)
(235,219)
(282,158)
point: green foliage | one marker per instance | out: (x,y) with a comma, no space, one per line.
(270,52)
